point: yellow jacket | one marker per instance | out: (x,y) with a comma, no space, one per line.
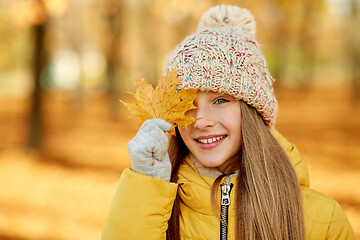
(142,206)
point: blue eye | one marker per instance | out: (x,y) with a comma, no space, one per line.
(220,101)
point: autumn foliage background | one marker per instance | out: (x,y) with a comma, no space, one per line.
(65,64)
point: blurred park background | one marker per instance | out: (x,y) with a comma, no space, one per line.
(64,65)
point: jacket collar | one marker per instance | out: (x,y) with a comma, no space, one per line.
(195,189)
(296,160)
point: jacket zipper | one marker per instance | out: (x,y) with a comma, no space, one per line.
(224,209)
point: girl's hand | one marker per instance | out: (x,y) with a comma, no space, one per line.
(148,149)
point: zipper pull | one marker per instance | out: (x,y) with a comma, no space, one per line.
(225,202)
(225,194)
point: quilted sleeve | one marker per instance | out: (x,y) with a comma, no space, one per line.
(340,227)
(141,208)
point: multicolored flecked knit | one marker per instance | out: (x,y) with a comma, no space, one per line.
(226,59)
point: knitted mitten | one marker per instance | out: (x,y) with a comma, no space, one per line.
(148,149)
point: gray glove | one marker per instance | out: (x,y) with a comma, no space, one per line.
(148,149)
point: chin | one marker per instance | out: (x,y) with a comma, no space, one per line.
(212,163)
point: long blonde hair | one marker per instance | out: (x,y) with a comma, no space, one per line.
(269,206)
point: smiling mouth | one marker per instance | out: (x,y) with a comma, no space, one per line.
(210,140)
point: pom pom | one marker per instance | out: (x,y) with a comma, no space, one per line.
(228,16)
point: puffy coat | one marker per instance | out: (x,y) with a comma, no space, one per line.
(142,206)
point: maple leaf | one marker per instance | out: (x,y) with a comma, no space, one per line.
(165,101)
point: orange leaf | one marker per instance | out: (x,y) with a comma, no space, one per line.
(165,101)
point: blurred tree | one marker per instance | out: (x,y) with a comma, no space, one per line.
(354,48)
(177,14)
(147,41)
(281,39)
(307,39)
(113,9)
(298,28)
(40,10)
(39,61)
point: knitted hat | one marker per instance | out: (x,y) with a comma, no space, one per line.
(223,56)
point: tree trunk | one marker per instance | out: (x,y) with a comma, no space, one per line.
(354,50)
(113,64)
(36,120)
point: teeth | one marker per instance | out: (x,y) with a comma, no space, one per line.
(210,140)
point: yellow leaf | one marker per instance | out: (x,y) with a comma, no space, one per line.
(165,101)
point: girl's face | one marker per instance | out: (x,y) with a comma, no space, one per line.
(215,138)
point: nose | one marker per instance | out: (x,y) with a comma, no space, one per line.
(205,118)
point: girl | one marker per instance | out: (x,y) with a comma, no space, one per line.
(230,174)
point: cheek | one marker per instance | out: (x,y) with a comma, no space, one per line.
(231,120)
(234,127)
(184,132)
